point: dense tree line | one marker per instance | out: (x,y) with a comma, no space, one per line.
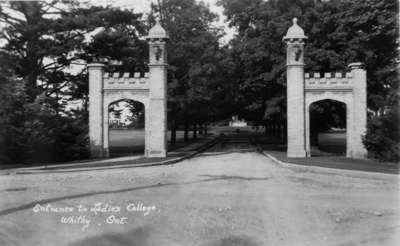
(45,46)
(196,87)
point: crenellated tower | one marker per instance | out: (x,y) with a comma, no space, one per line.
(158,66)
(295,90)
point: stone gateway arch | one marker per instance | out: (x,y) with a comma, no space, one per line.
(149,89)
(303,89)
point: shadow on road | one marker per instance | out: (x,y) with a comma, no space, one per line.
(218,153)
(224,177)
(140,237)
(235,240)
(136,237)
(158,185)
(15,189)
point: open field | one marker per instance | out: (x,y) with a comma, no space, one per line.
(333,142)
(132,137)
(131,141)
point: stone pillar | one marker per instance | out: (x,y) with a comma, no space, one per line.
(157,119)
(307,129)
(295,91)
(95,71)
(349,127)
(146,129)
(359,122)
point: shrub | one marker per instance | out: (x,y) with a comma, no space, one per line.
(34,134)
(382,136)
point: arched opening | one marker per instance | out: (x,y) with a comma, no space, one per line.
(126,121)
(327,130)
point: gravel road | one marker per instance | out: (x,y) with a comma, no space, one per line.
(222,198)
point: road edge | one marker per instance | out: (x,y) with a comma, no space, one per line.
(207,145)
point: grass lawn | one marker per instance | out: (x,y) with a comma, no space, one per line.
(332,142)
(131,141)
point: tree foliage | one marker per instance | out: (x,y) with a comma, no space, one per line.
(382,138)
(194,57)
(46,45)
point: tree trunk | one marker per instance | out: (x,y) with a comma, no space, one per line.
(194,131)
(186,133)
(86,103)
(173,133)
(285,133)
(205,129)
(273,130)
(201,129)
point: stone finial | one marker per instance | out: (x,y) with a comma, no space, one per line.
(295,32)
(157,32)
(356,65)
(113,62)
(96,65)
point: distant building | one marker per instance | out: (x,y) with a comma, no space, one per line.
(235,122)
(117,124)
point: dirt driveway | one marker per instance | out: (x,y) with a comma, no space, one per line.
(235,198)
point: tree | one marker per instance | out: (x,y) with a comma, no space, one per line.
(137,116)
(48,37)
(193,49)
(30,131)
(42,40)
(10,94)
(258,52)
(382,138)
